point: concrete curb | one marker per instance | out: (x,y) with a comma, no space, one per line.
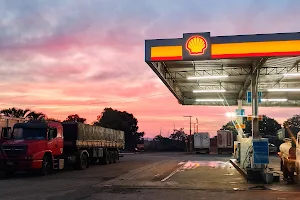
(240,170)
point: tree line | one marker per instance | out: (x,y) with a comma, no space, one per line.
(268,126)
(109,118)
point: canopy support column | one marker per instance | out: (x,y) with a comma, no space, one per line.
(254,93)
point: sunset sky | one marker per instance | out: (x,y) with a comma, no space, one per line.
(64,57)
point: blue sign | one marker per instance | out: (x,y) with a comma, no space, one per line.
(240,112)
(259,97)
(249,97)
(261,151)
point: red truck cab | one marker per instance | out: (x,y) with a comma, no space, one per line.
(33,145)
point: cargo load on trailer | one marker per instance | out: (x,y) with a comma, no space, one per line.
(202,142)
(225,141)
(46,146)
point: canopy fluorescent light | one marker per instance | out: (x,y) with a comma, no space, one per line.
(209,100)
(206,77)
(285,90)
(292,74)
(208,91)
(274,100)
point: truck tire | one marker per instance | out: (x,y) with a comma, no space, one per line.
(47,167)
(118,155)
(105,159)
(110,153)
(114,153)
(83,161)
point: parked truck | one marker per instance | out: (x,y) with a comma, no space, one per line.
(224,141)
(202,142)
(47,146)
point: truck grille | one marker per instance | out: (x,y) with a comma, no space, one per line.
(13,150)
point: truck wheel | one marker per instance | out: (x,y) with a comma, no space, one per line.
(110,153)
(117,155)
(105,159)
(114,153)
(47,167)
(83,161)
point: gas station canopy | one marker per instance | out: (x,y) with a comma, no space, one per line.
(203,70)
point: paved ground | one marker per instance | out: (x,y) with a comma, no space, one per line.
(149,176)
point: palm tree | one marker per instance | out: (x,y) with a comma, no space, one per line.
(20,113)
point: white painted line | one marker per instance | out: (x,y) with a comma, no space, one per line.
(174,172)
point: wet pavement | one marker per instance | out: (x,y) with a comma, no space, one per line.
(209,172)
(150,176)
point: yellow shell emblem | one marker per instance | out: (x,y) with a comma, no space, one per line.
(196,45)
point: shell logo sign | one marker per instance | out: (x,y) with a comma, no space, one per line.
(196,45)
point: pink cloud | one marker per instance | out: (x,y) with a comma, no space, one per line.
(87,59)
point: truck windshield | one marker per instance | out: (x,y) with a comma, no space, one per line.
(29,133)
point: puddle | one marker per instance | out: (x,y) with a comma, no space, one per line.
(213,164)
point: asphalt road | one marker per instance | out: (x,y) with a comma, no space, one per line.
(148,176)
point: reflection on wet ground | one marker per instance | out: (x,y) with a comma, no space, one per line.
(212,164)
(218,175)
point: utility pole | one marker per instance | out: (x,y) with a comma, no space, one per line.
(190,132)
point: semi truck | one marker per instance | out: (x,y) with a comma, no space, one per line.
(45,146)
(224,141)
(202,142)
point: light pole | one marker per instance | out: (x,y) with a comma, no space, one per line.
(194,127)
(197,124)
(190,132)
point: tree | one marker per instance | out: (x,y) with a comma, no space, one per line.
(124,121)
(17,112)
(268,126)
(159,138)
(230,126)
(53,119)
(14,112)
(178,135)
(75,118)
(293,124)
